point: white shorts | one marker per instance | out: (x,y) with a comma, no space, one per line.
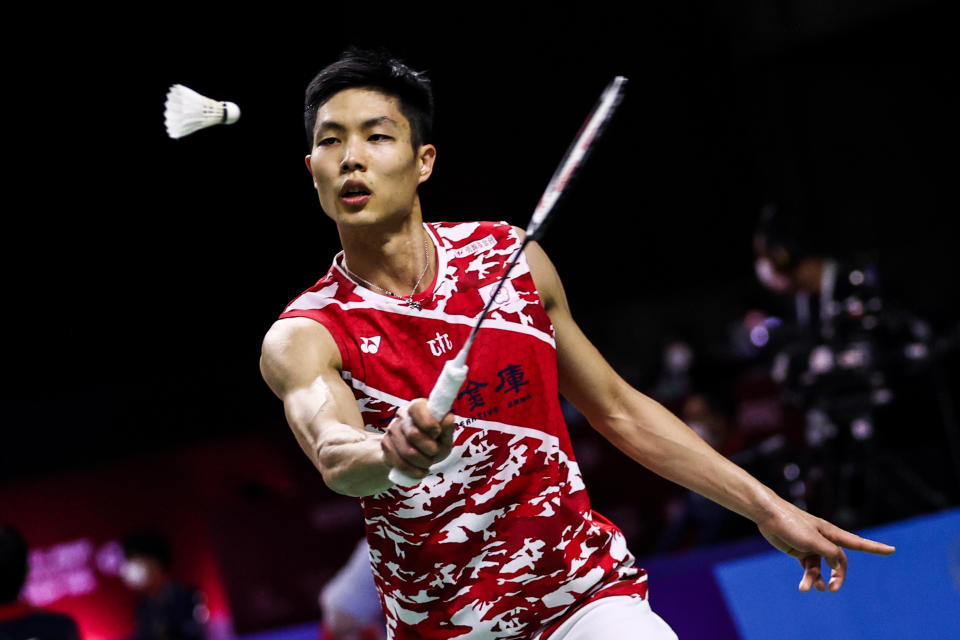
(614,617)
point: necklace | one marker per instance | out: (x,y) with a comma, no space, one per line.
(408,300)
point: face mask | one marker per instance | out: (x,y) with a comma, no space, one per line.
(769,276)
(678,358)
(134,574)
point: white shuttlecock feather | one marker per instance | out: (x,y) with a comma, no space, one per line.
(187,111)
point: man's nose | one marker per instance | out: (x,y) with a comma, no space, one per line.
(352,158)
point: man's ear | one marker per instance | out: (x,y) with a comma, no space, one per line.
(310,169)
(426,156)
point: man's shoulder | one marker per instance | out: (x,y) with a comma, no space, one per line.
(294,351)
(456,235)
(296,333)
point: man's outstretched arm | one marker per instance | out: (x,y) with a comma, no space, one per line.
(301,363)
(654,437)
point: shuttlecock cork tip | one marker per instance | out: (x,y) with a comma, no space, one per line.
(187,111)
(232,112)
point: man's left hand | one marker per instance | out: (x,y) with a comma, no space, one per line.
(808,539)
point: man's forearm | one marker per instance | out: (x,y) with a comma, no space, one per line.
(353,463)
(654,437)
(349,458)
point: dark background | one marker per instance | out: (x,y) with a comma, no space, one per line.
(143,272)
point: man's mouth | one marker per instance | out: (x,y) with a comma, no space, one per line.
(354,192)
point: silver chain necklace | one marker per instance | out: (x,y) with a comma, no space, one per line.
(408,300)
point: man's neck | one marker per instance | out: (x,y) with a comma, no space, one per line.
(391,256)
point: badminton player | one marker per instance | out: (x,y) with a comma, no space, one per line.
(499,539)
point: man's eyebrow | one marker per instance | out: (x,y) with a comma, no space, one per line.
(373,122)
(330,124)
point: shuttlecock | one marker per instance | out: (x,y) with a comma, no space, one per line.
(187,111)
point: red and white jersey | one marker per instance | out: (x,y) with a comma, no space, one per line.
(499,541)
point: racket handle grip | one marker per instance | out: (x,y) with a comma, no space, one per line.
(445,389)
(441,399)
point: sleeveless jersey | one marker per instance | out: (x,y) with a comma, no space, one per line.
(499,541)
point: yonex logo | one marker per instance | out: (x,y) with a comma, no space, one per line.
(370,345)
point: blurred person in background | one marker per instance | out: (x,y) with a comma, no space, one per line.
(19,620)
(842,354)
(166,608)
(835,291)
(349,602)
(674,383)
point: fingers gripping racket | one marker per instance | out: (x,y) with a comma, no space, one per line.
(455,370)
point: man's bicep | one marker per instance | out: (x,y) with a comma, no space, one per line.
(326,400)
(300,361)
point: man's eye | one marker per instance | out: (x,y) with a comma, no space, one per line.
(379,137)
(326,142)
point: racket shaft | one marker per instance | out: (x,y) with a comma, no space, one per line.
(455,371)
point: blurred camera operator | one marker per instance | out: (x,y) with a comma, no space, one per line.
(841,352)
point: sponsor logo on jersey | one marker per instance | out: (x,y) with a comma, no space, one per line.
(477,245)
(440,344)
(370,345)
(505,296)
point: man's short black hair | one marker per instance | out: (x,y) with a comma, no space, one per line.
(13,563)
(378,70)
(148,543)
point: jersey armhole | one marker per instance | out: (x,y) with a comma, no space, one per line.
(320,318)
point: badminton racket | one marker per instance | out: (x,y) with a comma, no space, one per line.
(455,370)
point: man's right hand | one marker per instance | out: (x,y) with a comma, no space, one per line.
(415,440)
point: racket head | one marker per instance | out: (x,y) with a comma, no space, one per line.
(577,154)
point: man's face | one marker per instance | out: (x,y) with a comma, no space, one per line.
(363,165)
